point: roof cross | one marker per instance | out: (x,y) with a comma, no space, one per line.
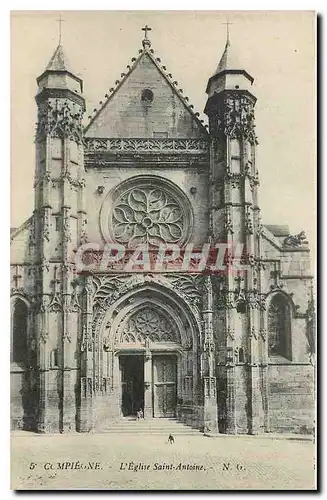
(60,21)
(146,29)
(227,24)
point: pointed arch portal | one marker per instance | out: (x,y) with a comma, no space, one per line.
(148,346)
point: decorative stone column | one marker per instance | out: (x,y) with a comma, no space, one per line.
(85,423)
(148,384)
(210,410)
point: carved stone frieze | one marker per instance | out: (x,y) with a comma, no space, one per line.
(60,118)
(235,118)
(147,145)
(229,299)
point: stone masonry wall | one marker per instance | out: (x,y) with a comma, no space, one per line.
(291,398)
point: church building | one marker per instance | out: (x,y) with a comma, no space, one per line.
(223,352)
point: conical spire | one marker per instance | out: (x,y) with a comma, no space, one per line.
(225,76)
(58,73)
(58,61)
(229,59)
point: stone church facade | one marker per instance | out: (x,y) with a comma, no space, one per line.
(229,351)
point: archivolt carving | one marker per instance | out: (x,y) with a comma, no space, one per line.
(109,289)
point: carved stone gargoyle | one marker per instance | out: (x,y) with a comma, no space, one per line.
(296,241)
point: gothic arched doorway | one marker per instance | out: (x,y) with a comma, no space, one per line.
(149,353)
(149,327)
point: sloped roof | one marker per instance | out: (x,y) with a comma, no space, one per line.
(278,230)
(229,63)
(229,60)
(58,61)
(15,231)
(147,52)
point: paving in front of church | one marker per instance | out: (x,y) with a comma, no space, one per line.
(130,461)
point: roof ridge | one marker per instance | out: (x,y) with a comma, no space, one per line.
(20,228)
(164,72)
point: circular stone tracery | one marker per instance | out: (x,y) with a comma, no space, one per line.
(151,324)
(149,211)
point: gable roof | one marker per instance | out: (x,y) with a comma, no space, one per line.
(146,53)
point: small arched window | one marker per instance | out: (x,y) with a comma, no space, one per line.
(279,327)
(19,332)
(241,355)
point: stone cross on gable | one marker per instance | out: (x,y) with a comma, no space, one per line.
(146,29)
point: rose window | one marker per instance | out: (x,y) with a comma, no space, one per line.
(146,210)
(148,215)
(150,324)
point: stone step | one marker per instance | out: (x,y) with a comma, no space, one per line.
(174,432)
(158,426)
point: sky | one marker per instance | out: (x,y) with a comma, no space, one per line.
(276,48)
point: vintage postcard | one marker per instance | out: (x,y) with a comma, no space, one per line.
(163,250)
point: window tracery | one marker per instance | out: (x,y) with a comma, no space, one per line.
(279,327)
(149,324)
(147,210)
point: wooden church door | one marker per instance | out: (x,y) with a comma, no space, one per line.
(164,386)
